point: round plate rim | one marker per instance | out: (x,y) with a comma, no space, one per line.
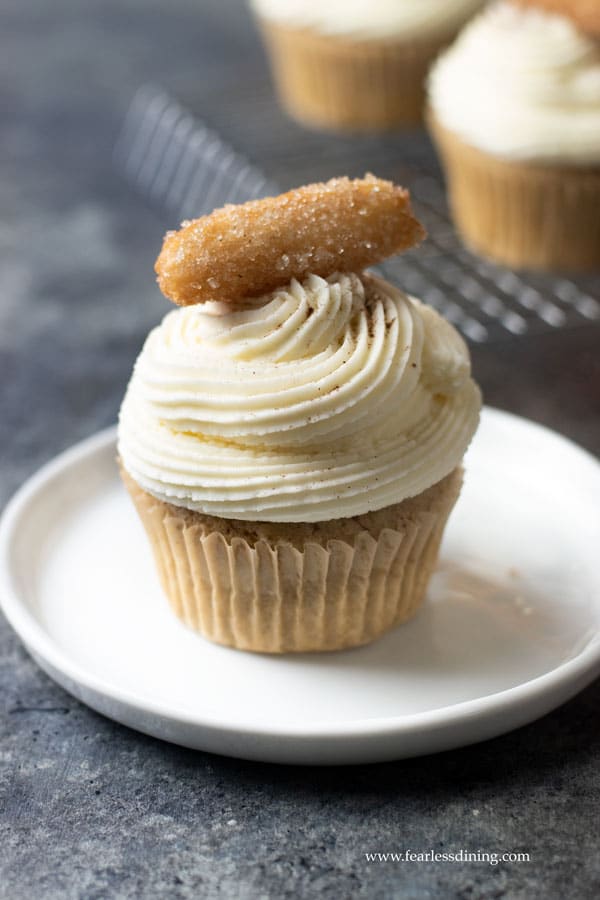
(576,673)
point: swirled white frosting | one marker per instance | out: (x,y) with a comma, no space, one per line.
(326,399)
(522,84)
(373,19)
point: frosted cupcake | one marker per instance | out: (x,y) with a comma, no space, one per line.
(515,112)
(356,64)
(294,456)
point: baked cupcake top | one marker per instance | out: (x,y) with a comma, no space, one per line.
(375,19)
(522,84)
(330,395)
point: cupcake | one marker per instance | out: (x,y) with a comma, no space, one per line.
(514,108)
(292,435)
(353,64)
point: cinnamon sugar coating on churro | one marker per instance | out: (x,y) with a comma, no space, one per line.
(248,250)
(584,13)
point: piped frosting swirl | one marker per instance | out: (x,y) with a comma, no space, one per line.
(378,19)
(521,84)
(325,399)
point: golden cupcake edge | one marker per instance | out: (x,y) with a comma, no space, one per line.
(349,85)
(522,214)
(279,588)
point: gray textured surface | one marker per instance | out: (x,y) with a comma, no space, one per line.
(89,809)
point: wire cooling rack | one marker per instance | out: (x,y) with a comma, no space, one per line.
(186,169)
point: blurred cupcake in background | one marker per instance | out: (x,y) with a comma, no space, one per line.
(514,108)
(356,64)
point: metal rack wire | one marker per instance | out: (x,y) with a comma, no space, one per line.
(186,169)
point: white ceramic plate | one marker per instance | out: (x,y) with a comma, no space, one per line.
(510,629)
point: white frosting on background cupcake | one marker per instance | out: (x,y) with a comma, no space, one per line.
(521,84)
(322,400)
(370,18)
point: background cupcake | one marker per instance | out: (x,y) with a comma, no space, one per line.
(356,64)
(515,112)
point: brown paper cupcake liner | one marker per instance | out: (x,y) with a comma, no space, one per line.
(335,82)
(528,215)
(279,588)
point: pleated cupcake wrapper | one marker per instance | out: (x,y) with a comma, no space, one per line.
(336,82)
(522,214)
(274,597)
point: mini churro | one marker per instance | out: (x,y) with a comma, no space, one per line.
(248,250)
(584,13)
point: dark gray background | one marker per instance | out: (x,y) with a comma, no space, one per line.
(89,809)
